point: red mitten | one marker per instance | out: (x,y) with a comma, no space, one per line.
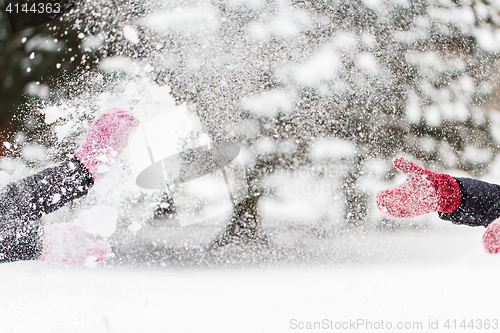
(423,192)
(105,140)
(68,244)
(491,237)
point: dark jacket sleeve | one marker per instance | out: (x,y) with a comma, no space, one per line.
(480,203)
(24,202)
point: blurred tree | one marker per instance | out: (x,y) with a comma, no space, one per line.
(32,63)
(390,76)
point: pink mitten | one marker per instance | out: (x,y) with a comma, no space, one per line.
(105,140)
(423,192)
(491,237)
(68,244)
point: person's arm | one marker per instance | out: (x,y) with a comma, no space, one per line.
(460,200)
(480,203)
(44,192)
(25,201)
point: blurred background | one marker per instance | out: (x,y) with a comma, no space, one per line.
(321,96)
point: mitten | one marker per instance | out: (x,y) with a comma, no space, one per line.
(105,140)
(68,244)
(423,192)
(491,237)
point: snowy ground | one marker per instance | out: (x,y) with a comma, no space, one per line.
(408,276)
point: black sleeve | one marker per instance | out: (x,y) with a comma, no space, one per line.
(480,203)
(24,202)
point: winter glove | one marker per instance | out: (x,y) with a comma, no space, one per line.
(423,192)
(105,140)
(491,237)
(68,244)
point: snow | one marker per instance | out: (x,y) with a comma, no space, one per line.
(298,211)
(39,43)
(288,22)
(332,148)
(34,152)
(211,52)
(487,39)
(368,62)
(92,42)
(202,199)
(454,111)
(269,103)
(253,4)
(428,144)
(373,4)
(63,130)
(302,197)
(495,120)
(131,34)
(447,155)
(437,275)
(56,198)
(162,136)
(433,116)
(413,112)
(98,220)
(321,66)
(346,41)
(265,146)
(457,14)
(120,63)
(201,19)
(477,155)
(36,89)
(482,10)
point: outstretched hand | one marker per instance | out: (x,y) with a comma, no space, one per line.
(423,192)
(105,140)
(68,244)
(491,237)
